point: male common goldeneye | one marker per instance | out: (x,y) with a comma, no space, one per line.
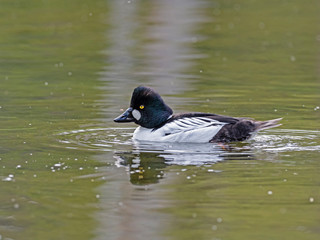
(157,123)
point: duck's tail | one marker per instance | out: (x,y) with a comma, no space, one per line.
(262,125)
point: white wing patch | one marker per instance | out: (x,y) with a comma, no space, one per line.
(187,124)
(194,129)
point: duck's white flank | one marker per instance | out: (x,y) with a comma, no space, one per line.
(194,129)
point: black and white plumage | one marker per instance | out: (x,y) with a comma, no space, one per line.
(157,123)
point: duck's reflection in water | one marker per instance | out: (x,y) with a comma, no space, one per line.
(147,161)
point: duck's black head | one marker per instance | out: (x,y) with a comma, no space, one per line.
(146,109)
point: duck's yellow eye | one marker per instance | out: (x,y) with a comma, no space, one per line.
(141,107)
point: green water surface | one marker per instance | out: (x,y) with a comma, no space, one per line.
(67,68)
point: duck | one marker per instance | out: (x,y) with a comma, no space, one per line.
(157,122)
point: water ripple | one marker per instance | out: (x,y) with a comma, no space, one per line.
(287,140)
(119,141)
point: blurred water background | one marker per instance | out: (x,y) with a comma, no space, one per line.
(67,68)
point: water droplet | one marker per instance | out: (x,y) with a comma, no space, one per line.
(301,228)
(231,25)
(262,25)
(283,210)
(237,7)
(7,179)
(215,171)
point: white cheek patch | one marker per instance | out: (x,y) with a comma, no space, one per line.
(136,114)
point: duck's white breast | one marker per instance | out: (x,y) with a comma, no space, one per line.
(146,134)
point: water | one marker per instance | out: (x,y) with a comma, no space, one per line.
(67,171)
